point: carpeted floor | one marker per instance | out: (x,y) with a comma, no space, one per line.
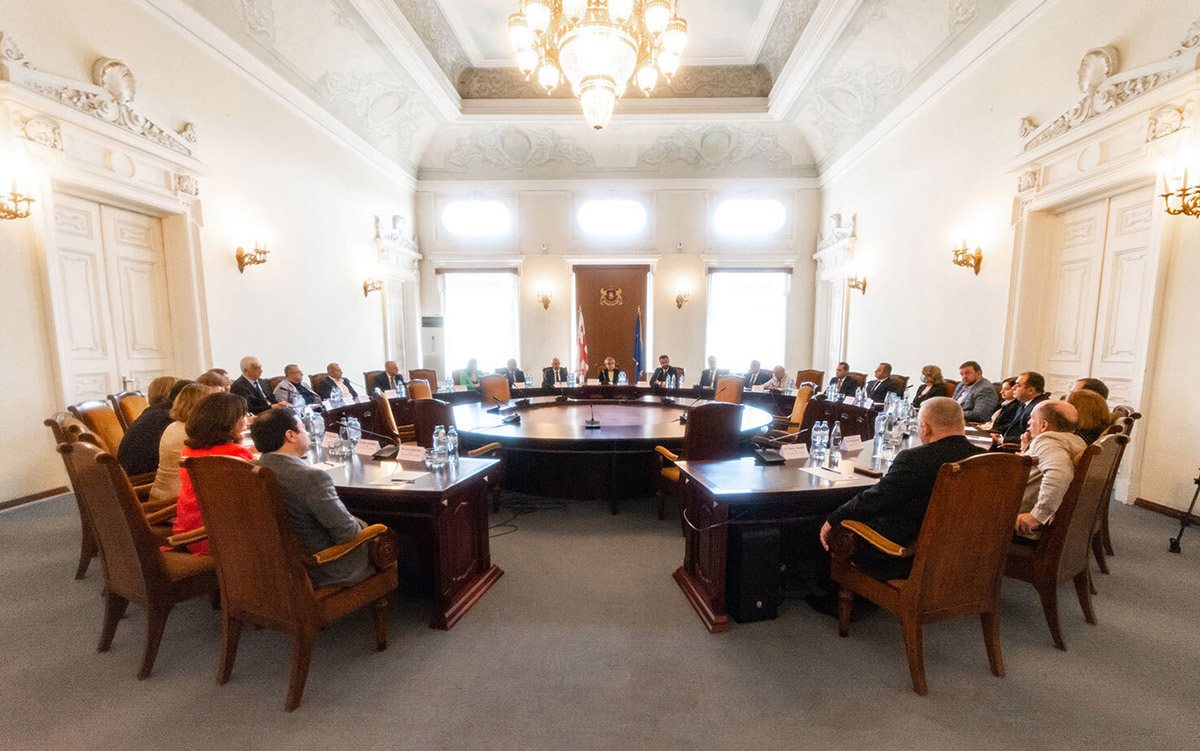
(586,643)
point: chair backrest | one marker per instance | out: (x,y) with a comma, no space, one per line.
(803,396)
(729,389)
(712,431)
(428,414)
(128,549)
(101,421)
(901,382)
(315,379)
(253,544)
(810,376)
(1120,426)
(272,382)
(968,526)
(387,418)
(456,374)
(950,386)
(128,405)
(859,378)
(494,387)
(418,388)
(66,427)
(369,378)
(1069,537)
(425,374)
(1127,411)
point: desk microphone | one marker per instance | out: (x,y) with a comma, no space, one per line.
(591,423)
(500,404)
(512,418)
(562,397)
(385,452)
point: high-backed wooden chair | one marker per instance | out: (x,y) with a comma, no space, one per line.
(68,429)
(950,386)
(1128,416)
(811,376)
(101,420)
(128,405)
(1101,540)
(369,378)
(425,374)
(418,388)
(1061,553)
(901,383)
(387,421)
(429,413)
(958,559)
(315,379)
(262,569)
(729,389)
(712,432)
(494,388)
(272,382)
(859,378)
(785,424)
(135,569)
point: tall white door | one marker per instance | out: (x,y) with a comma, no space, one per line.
(112,314)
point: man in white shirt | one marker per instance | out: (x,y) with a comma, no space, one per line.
(1050,440)
(778,380)
(334,381)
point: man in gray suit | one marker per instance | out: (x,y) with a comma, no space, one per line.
(975,394)
(316,512)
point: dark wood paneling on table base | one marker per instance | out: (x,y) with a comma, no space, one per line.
(1165,510)
(31,498)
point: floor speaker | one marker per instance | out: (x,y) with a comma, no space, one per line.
(752,575)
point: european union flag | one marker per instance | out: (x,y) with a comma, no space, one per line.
(639,358)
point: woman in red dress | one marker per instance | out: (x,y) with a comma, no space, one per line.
(214,429)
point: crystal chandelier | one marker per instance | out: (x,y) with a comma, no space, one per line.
(598,45)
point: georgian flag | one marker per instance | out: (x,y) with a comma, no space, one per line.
(581,340)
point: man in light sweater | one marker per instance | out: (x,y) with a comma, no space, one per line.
(1050,440)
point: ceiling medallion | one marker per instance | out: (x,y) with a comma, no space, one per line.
(598,45)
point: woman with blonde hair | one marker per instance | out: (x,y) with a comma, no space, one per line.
(934,385)
(138,452)
(1094,416)
(166,480)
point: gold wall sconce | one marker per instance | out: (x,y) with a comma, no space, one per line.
(14,205)
(858,283)
(971,260)
(253,258)
(1184,200)
(682,297)
(544,299)
(373,284)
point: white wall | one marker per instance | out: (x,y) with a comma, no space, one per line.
(942,177)
(275,177)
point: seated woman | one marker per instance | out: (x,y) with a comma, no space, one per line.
(1094,416)
(216,379)
(1010,406)
(214,429)
(166,480)
(469,376)
(609,375)
(138,452)
(933,384)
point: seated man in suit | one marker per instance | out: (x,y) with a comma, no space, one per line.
(663,372)
(389,380)
(317,514)
(895,506)
(878,388)
(609,375)
(842,382)
(334,381)
(1030,392)
(709,376)
(755,376)
(252,387)
(515,376)
(554,376)
(1090,384)
(778,380)
(1051,440)
(293,390)
(975,393)
(1008,409)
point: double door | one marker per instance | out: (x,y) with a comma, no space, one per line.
(112,313)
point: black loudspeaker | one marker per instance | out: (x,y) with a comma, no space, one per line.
(752,574)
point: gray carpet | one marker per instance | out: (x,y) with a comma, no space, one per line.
(586,643)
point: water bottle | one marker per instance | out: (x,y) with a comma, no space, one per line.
(401,391)
(355,432)
(316,429)
(335,397)
(344,440)
(881,431)
(818,440)
(621,379)
(452,445)
(835,445)
(860,396)
(528,381)
(449,384)
(437,456)
(791,385)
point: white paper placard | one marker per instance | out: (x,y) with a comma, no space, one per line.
(460,388)
(793,452)
(852,443)
(327,465)
(365,447)
(390,393)
(849,400)
(330,441)
(757,389)
(411,454)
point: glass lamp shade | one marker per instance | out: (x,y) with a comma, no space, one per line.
(668,63)
(595,51)
(548,76)
(519,33)
(674,37)
(647,76)
(574,8)
(619,10)
(598,95)
(657,13)
(527,61)
(538,13)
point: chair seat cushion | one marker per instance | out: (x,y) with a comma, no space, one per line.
(671,473)
(183,565)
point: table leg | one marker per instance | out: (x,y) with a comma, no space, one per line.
(702,575)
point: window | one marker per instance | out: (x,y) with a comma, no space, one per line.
(612,218)
(747,318)
(749,217)
(480,318)
(479,219)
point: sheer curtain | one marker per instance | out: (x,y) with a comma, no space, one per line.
(747,318)
(480,318)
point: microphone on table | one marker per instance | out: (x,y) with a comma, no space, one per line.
(511,418)
(563,396)
(591,423)
(683,417)
(385,452)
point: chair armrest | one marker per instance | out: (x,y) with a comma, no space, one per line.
(337,551)
(145,478)
(880,542)
(143,492)
(187,538)
(483,450)
(667,454)
(161,515)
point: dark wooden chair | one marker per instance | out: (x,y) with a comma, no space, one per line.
(950,386)
(429,413)
(494,388)
(369,378)
(418,388)
(1101,538)
(958,558)
(729,389)
(128,405)
(811,376)
(261,567)
(425,374)
(456,374)
(1061,553)
(101,420)
(135,569)
(387,421)
(315,379)
(901,383)
(860,379)
(786,424)
(272,382)
(712,433)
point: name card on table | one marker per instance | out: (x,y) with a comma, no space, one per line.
(411,454)
(794,452)
(460,388)
(850,400)
(365,447)
(390,393)
(852,443)
(757,389)
(330,441)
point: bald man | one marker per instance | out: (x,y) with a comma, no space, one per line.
(1051,440)
(895,506)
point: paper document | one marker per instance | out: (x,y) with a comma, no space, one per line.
(398,478)
(328,465)
(827,474)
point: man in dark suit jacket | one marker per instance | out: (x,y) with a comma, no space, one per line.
(756,376)
(555,374)
(663,372)
(895,506)
(1030,391)
(709,376)
(878,388)
(842,382)
(515,376)
(389,380)
(252,387)
(609,375)
(326,386)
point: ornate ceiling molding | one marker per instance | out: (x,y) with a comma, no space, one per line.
(694,81)
(790,21)
(386,108)
(513,147)
(712,146)
(435,31)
